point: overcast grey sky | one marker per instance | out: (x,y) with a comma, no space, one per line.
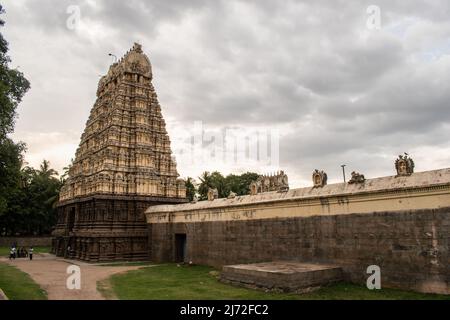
(337,91)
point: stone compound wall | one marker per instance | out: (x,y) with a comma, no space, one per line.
(26,241)
(401,224)
(411,247)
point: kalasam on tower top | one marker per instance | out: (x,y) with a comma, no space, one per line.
(122,166)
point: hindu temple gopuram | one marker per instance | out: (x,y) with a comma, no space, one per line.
(122,166)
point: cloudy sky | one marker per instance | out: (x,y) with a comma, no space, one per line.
(335,89)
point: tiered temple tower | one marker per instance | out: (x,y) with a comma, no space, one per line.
(122,166)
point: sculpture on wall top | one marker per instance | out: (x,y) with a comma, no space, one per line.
(270,182)
(319,178)
(194,199)
(232,195)
(404,165)
(357,178)
(253,188)
(212,194)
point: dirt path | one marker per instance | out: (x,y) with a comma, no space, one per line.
(50,273)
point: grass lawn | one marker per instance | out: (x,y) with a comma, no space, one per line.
(18,285)
(200,282)
(4,251)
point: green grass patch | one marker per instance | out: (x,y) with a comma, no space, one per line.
(105,289)
(200,282)
(347,291)
(4,251)
(18,285)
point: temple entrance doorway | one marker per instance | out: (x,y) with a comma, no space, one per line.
(180,248)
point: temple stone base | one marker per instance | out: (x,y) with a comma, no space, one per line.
(104,228)
(102,249)
(282,276)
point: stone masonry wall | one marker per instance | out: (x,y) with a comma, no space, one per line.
(411,247)
(26,241)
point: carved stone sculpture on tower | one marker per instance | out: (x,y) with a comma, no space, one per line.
(270,182)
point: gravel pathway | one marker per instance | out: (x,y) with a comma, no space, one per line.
(50,273)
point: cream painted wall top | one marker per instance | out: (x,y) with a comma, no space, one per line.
(417,180)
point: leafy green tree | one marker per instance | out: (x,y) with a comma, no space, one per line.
(218,182)
(66,169)
(10,176)
(205,184)
(239,184)
(214,180)
(27,196)
(31,207)
(191,190)
(13,86)
(43,192)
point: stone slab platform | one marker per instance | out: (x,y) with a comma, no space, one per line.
(286,276)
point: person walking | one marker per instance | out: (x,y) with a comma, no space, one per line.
(11,253)
(14,250)
(30,253)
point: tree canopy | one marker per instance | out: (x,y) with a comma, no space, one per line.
(239,184)
(27,196)
(13,87)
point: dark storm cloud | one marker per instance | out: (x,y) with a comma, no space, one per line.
(338,92)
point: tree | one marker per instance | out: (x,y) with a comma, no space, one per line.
(13,86)
(45,171)
(27,196)
(31,206)
(191,190)
(205,184)
(43,193)
(239,184)
(213,180)
(10,173)
(66,169)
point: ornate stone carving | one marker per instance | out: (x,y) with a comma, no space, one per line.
(254,188)
(357,178)
(319,178)
(125,148)
(270,182)
(404,165)
(213,194)
(123,165)
(232,195)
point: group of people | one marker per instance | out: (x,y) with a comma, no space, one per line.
(15,252)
